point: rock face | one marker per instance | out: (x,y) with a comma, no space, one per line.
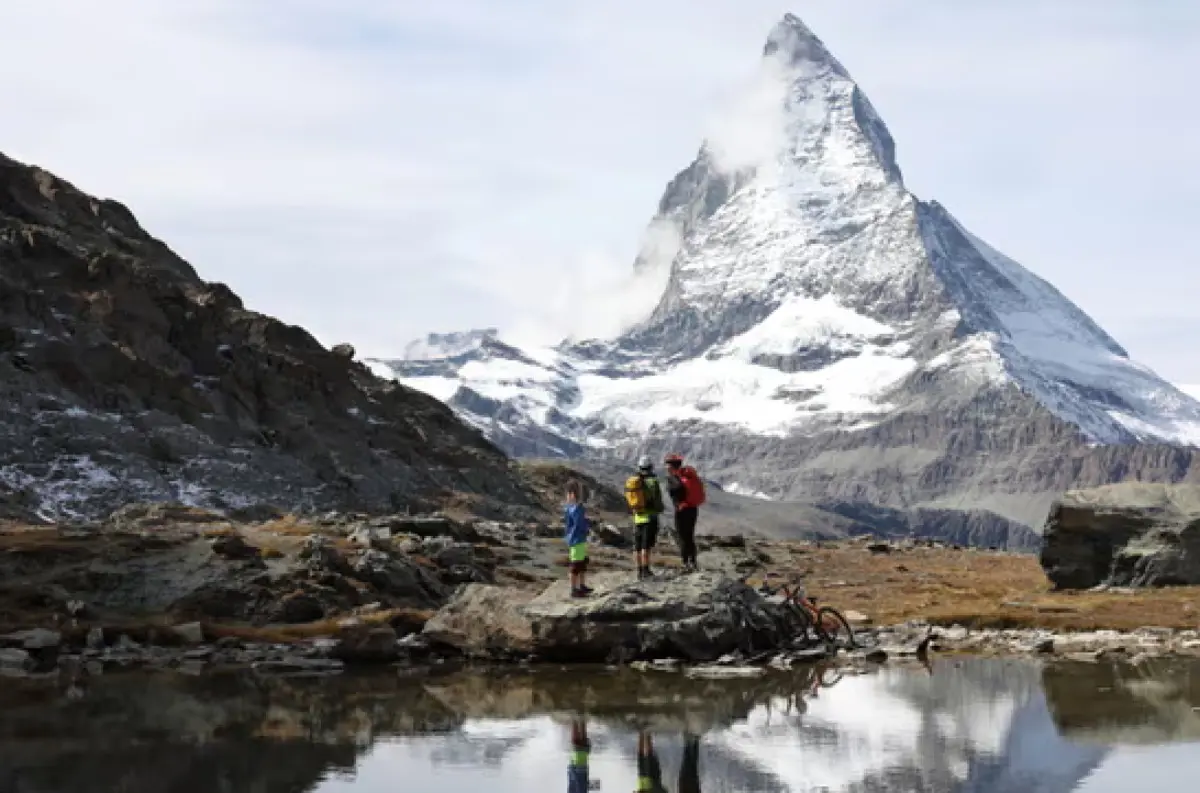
(125,377)
(694,618)
(825,336)
(1130,534)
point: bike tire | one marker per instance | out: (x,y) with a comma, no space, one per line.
(803,622)
(831,626)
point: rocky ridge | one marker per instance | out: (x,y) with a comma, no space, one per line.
(828,338)
(125,377)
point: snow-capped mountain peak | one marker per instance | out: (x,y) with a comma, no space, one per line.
(824,333)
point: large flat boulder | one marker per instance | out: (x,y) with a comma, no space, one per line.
(1128,534)
(696,618)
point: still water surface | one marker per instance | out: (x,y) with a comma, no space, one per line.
(979,726)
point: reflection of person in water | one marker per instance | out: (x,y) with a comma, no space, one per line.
(689,767)
(649,771)
(581,748)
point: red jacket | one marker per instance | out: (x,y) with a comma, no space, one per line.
(686,488)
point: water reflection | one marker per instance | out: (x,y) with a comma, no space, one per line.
(968,726)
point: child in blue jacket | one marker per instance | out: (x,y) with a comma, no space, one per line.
(576,536)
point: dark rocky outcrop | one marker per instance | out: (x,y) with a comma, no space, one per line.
(1129,534)
(694,618)
(124,376)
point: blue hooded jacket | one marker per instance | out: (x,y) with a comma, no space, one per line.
(576,524)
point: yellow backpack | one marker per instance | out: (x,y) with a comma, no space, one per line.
(635,494)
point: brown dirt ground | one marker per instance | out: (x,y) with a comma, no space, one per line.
(974,588)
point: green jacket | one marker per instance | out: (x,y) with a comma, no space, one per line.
(654,499)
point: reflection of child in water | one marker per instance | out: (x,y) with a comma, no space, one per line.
(649,771)
(577,768)
(689,766)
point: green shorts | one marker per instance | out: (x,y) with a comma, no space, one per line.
(577,557)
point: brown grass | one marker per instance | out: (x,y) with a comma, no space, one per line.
(288,525)
(975,588)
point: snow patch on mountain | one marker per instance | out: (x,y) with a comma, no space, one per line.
(741,490)
(801,322)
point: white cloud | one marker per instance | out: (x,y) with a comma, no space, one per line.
(748,130)
(372,169)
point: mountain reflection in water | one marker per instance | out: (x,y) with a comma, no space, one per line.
(970,726)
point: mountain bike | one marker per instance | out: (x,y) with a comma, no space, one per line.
(826,622)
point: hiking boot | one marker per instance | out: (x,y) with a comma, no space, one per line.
(586,590)
(579,593)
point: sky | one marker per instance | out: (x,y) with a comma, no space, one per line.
(377,170)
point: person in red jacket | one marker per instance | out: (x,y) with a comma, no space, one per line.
(687,492)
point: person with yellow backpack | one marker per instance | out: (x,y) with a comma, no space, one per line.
(644,496)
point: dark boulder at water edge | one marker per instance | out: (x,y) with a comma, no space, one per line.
(1130,534)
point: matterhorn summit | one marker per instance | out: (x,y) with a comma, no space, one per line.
(826,336)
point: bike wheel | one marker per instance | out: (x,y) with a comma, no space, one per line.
(802,623)
(833,627)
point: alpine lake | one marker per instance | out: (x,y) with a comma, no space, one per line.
(955,724)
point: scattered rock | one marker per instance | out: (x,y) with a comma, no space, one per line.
(124,643)
(33,639)
(13,659)
(875,655)
(400,577)
(343,351)
(190,633)
(370,536)
(298,608)
(320,555)
(880,547)
(362,644)
(232,546)
(856,617)
(725,672)
(611,536)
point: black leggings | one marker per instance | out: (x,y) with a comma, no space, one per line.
(685,527)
